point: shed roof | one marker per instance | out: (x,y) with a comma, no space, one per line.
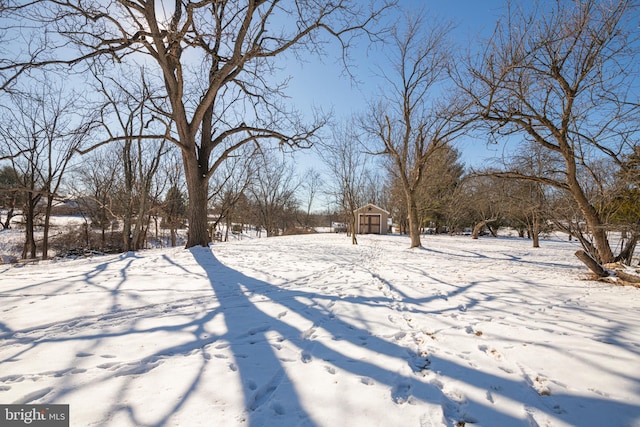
(371,206)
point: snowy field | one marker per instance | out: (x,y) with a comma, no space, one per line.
(312,331)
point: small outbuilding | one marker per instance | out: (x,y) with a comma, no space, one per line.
(371,219)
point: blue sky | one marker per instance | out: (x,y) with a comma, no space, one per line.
(320,82)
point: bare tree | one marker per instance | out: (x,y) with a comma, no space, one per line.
(525,201)
(174,209)
(346,159)
(273,193)
(93,186)
(375,186)
(486,196)
(413,121)
(127,111)
(225,48)
(559,76)
(443,173)
(312,183)
(42,130)
(624,206)
(229,187)
(526,209)
(10,195)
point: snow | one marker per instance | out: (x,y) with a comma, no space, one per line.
(313,331)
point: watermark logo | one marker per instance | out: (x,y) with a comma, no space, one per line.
(34,415)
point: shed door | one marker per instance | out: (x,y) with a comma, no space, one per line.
(370,224)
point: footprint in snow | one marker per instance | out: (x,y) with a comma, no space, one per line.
(401,393)
(83,354)
(38,394)
(258,329)
(12,379)
(305,357)
(308,334)
(454,403)
(408,320)
(598,392)
(539,383)
(107,365)
(399,335)
(437,383)
(493,352)
(278,408)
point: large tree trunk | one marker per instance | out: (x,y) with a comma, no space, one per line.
(198,191)
(535,229)
(536,239)
(603,253)
(626,253)
(353,227)
(7,223)
(593,265)
(29,250)
(127,234)
(630,278)
(414,223)
(139,228)
(228,227)
(476,229)
(127,220)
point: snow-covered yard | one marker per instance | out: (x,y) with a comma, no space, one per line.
(312,331)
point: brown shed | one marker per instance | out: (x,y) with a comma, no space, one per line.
(370,219)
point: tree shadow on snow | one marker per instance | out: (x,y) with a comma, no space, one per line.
(257,337)
(269,392)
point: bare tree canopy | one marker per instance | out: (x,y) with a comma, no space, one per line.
(413,120)
(563,75)
(40,129)
(349,167)
(214,59)
(273,192)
